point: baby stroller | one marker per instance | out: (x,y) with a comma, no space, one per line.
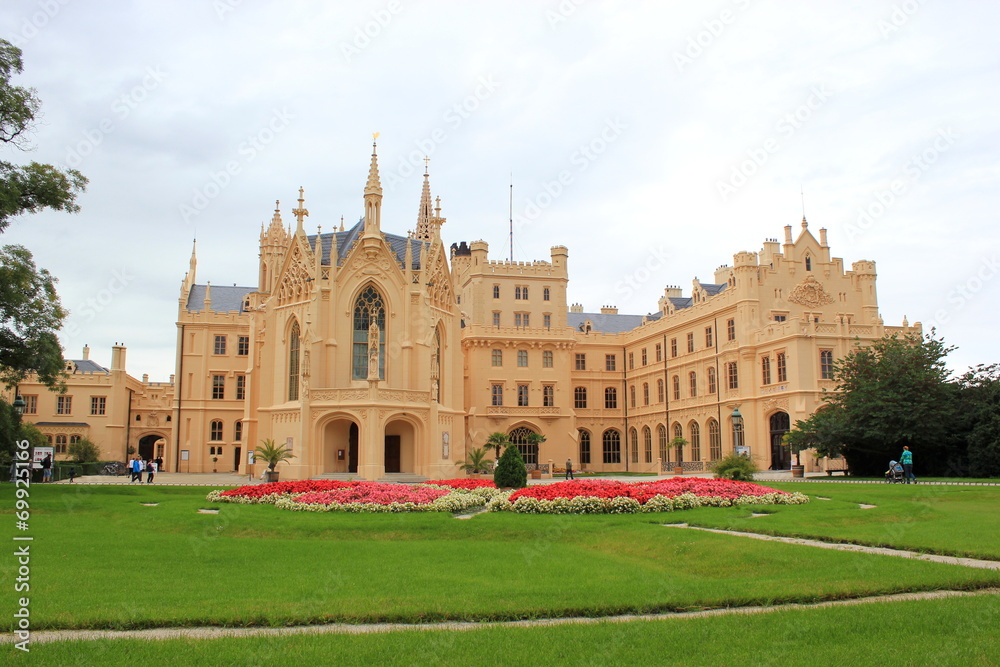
(894,475)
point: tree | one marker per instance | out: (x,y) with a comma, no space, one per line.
(30,312)
(892,393)
(84,451)
(820,432)
(272,453)
(35,187)
(30,315)
(497,441)
(511,472)
(475,461)
(979,399)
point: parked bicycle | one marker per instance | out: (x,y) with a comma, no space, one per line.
(114,468)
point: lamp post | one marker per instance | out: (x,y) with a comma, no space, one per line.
(19,405)
(738,446)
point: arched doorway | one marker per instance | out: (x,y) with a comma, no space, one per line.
(781,458)
(400,447)
(520,436)
(340,446)
(148,448)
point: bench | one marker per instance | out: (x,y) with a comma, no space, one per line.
(830,472)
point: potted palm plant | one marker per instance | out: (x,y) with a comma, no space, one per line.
(475,462)
(272,453)
(536,439)
(678,444)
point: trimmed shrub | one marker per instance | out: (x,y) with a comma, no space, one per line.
(510,472)
(735,467)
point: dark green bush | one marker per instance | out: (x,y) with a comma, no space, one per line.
(735,467)
(510,470)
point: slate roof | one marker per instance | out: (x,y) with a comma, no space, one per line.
(604,322)
(88,366)
(681,302)
(61,424)
(713,288)
(224,298)
(346,238)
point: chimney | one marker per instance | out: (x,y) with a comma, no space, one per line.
(118,357)
(86,352)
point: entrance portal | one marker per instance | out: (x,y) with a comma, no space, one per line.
(392,461)
(147,446)
(781,458)
(352,449)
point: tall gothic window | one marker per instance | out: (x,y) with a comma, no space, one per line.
(293,363)
(367,309)
(612,446)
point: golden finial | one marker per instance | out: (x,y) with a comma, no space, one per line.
(375,136)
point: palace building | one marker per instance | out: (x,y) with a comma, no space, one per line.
(382,356)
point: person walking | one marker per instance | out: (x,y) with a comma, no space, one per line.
(47,468)
(569,469)
(72,473)
(906,459)
(150,471)
(135,468)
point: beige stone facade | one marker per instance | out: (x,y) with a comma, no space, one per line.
(376,355)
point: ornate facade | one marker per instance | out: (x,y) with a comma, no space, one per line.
(376,355)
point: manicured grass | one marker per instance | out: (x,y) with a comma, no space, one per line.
(102,559)
(955,520)
(957,632)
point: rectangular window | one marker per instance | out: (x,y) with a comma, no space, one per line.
(644,356)
(693,383)
(30,404)
(220,344)
(517,320)
(497,357)
(522,358)
(765,370)
(521,293)
(548,396)
(545,294)
(547,321)
(673,347)
(659,352)
(496,291)
(676,386)
(660,395)
(782,368)
(631,396)
(522,395)
(216,433)
(547,359)
(631,360)
(581,361)
(98,405)
(525,318)
(610,362)
(690,339)
(645,393)
(241,387)
(496,392)
(243,346)
(580,397)
(732,375)
(611,398)
(709,338)
(780,318)
(218,386)
(826,364)
(238,431)
(64,405)
(711,381)
(730,329)
(496,319)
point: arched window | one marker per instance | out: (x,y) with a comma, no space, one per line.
(60,444)
(293,363)
(809,263)
(580,397)
(631,395)
(661,437)
(679,449)
(612,446)
(611,398)
(216,430)
(519,436)
(714,440)
(368,310)
(647,441)
(238,431)
(695,441)
(584,447)
(633,445)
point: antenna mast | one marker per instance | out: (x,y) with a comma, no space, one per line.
(510,213)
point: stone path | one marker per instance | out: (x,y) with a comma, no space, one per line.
(840,546)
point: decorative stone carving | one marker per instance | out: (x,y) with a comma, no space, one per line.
(810,293)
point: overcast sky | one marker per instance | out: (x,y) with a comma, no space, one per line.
(654,139)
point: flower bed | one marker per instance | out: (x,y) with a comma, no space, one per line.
(456,495)
(612,497)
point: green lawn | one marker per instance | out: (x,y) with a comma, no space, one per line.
(102,559)
(960,632)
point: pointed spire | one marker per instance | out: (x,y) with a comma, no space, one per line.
(374,185)
(425,213)
(301,212)
(193,263)
(276,227)
(208,296)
